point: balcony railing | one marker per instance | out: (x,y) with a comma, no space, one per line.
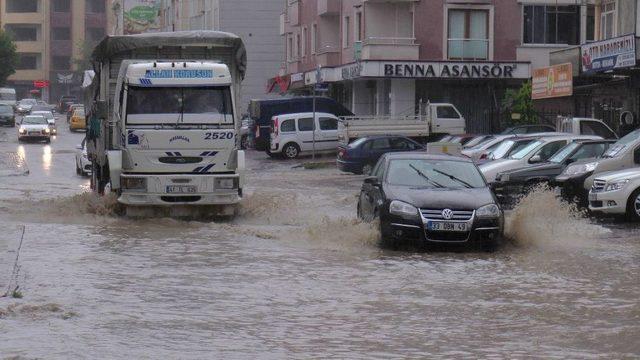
(327,49)
(468,49)
(374,40)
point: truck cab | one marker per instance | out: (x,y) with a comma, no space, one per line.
(585,126)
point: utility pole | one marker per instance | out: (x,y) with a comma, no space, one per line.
(318,79)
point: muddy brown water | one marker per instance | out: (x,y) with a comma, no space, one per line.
(296,276)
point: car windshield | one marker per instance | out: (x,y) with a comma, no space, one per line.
(78,112)
(502,149)
(357,143)
(521,153)
(480,145)
(475,141)
(616,149)
(426,173)
(46,114)
(28,102)
(564,153)
(34,120)
(6,109)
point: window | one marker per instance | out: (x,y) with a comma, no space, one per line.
(22,6)
(551,25)
(61,63)
(328,124)
(549,149)
(380,144)
(608,20)
(61,5)
(358,26)
(595,128)
(297,46)
(95,6)
(27,61)
(589,151)
(23,32)
(314,38)
(58,33)
(305,124)
(346,32)
(304,42)
(447,112)
(468,35)
(290,48)
(288,126)
(591,23)
(402,144)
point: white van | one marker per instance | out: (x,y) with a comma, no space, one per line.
(292,134)
(8,96)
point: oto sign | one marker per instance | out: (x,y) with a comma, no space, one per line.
(39,84)
(552,81)
(608,54)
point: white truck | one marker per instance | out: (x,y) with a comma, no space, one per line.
(433,119)
(162,122)
(8,97)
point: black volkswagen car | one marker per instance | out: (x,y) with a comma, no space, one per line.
(511,184)
(431,198)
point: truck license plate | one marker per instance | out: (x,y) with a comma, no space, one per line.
(181,189)
(447,226)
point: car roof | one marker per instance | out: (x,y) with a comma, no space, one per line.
(595,141)
(301,114)
(41,112)
(422,155)
(372,137)
(33,116)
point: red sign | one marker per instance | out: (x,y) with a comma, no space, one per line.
(39,84)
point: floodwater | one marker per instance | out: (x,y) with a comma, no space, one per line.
(295,276)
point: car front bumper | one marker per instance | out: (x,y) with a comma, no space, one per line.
(609,202)
(572,188)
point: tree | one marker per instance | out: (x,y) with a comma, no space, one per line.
(83,62)
(8,56)
(520,105)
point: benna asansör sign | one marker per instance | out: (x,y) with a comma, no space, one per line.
(608,54)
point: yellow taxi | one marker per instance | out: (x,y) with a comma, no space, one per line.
(78,121)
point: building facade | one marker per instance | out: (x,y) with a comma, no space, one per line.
(255,21)
(52,38)
(389,57)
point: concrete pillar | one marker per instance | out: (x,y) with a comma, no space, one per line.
(360,98)
(403,96)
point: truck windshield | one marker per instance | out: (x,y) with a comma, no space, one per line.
(7,96)
(179,105)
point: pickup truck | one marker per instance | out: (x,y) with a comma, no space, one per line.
(435,119)
(585,126)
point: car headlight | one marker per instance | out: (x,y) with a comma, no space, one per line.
(401,208)
(617,185)
(133,183)
(22,130)
(47,130)
(579,169)
(224,183)
(488,211)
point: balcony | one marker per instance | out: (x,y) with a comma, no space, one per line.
(328,55)
(390,48)
(328,7)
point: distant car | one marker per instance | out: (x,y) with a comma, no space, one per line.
(292,134)
(78,120)
(528,129)
(51,119)
(360,156)
(7,117)
(64,100)
(430,198)
(34,127)
(513,183)
(83,165)
(535,152)
(24,106)
(71,109)
(42,107)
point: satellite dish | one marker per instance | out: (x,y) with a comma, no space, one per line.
(627,118)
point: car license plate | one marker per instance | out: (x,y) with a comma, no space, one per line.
(593,197)
(447,226)
(34,132)
(181,189)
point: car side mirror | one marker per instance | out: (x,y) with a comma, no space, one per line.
(535,159)
(372,180)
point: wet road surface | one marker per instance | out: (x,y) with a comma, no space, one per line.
(295,276)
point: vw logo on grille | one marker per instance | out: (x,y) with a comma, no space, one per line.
(447,214)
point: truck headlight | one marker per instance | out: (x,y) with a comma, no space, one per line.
(579,169)
(489,211)
(401,208)
(224,183)
(615,186)
(133,183)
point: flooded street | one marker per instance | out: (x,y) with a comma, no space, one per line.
(295,276)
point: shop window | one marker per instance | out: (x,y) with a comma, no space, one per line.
(468,35)
(27,61)
(61,62)
(551,25)
(608,20)
(23,32)
(61,33)
(95,6)
(61,5)
(22,6)
(305,124)
(328,124)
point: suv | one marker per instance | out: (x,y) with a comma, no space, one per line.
(292,134)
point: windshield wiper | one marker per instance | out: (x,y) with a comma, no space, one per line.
(466,184)
(423,175)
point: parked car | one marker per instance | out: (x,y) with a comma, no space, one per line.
(462,139)
(432,198)
(535,152)
(360,156)
(51,119)
(528,129)
(577,179)
(7,117)
(78,121)
(83,165)
(293,134)
(64,100)
(42,106)
(34,127)
(8,97)
(24,106)
(617,193)
(475,152)
(478,139)
(510,184)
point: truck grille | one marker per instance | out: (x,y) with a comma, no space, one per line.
(436,214)
(598,186)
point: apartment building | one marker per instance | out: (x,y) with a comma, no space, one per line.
(255,21)
(49,35)
(387,57)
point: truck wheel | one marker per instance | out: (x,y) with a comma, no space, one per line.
(633,206)
(291,151)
